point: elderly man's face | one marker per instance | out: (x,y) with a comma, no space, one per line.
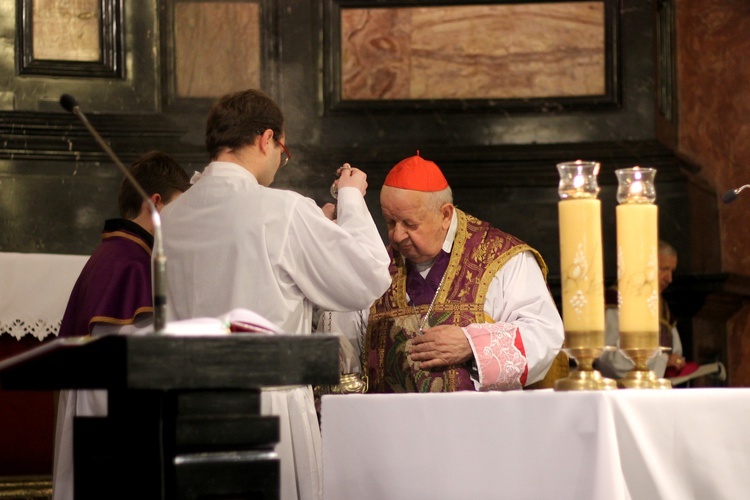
(416,228)
(667,265)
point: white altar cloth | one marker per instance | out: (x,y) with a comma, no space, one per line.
(627,444)
(35,288)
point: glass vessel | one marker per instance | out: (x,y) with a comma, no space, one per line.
(638,275)
(582,277)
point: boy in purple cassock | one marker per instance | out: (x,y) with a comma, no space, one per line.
(113,292)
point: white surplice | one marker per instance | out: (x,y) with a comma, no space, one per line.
(232,243)
(517,297)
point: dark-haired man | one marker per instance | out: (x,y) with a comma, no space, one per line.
(113,292)
(234,242)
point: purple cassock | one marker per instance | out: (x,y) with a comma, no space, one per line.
(115,284)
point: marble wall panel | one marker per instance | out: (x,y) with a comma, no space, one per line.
(66,30)
(217,48)
(473,51)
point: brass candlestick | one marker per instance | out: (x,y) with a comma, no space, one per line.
(637,275)
(640,376)
(582,274)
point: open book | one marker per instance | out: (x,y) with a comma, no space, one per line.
(236,320)
(244,320)
(716,369)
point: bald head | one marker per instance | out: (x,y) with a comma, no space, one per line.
(667,264)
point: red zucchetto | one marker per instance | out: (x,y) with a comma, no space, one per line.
(417,174)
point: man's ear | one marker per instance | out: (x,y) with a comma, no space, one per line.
(156,199)
(447,210)
(265,141)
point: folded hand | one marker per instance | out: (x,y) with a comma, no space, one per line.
(440,346)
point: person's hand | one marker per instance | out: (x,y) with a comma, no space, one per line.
(440,346)
(351,177)
(329,210)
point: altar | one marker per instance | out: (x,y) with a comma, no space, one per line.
(36,287)
(625,444)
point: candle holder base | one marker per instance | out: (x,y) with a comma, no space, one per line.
(585,377)
(640,377)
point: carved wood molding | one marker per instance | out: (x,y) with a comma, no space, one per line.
(26,487)
(61,137)
(109,65)
(531,165)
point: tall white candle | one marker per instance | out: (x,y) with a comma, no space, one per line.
(637,259)
(637,267)
(581,265)
(581,255)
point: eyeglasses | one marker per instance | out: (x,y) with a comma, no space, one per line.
(285,154)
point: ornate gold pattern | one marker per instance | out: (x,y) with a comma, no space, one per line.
(460,301)
(26,487)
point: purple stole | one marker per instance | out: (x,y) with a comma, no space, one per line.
(479,251)
(422,290)
(115,284)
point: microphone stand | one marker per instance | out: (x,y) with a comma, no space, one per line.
(158,259)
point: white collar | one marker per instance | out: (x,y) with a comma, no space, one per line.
(447,245)
(451,234)
(222,169)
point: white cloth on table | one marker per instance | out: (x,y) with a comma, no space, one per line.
(36,287)
(232,243)
(542,444)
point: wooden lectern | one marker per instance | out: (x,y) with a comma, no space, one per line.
(183,411)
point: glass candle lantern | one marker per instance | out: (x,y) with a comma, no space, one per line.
(581,270)
(638,273)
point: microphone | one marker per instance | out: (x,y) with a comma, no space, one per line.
(158,259)
(731,195)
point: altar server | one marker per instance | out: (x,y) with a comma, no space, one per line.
(234,242)
(113,292)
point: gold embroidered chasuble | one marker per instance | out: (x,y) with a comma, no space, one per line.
(479,252)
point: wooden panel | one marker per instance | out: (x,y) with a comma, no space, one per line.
(175,362)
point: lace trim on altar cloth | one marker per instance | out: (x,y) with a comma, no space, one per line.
(500,362)
(39,328)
